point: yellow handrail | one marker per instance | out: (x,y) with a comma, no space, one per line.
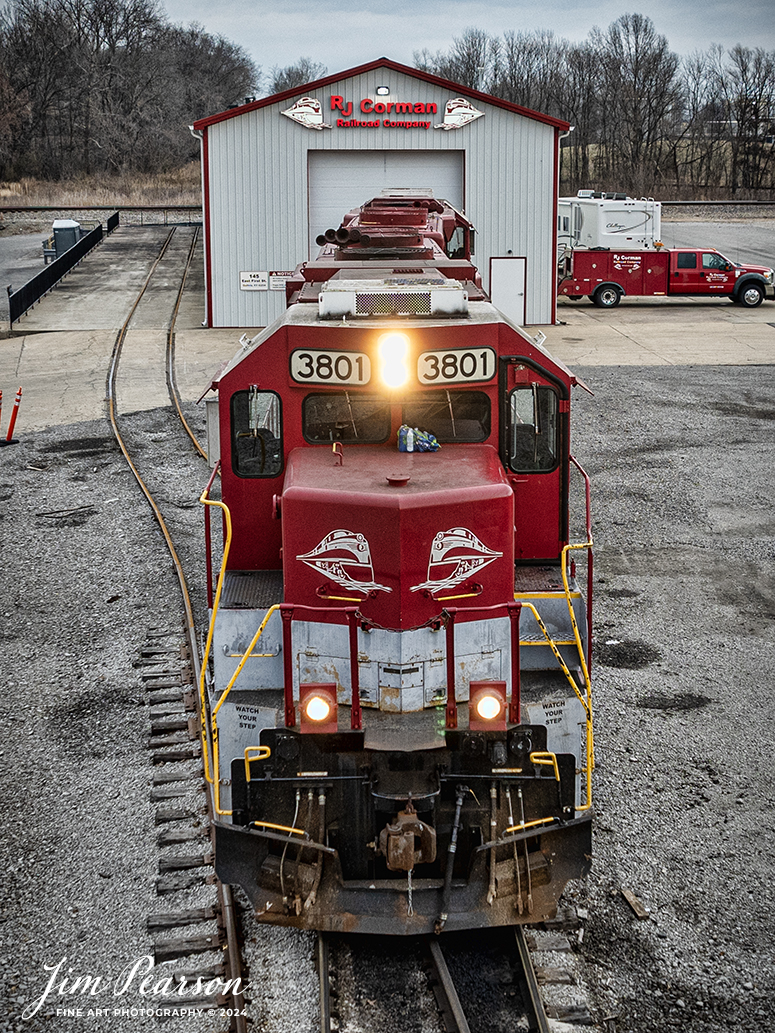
(574,624)
(222,700)
(584,667)
(281,828)
(255,753)
(586,703)
(527,825)
(211,630)
(547,758)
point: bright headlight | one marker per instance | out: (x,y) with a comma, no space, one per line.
(317,709)
(394,356)
(488,707)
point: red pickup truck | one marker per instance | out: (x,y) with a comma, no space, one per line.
(607,276)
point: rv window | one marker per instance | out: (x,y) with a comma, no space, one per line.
(256,433)
(450,415)
(532,434)
(345,416)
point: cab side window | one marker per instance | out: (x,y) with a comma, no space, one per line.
(256,433)
(714,262)
(532,441)
(686,261)
(456,244)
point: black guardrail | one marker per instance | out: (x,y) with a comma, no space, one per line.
(23,299)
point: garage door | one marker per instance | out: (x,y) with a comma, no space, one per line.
(341,180)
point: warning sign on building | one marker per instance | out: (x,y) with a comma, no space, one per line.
(277,278)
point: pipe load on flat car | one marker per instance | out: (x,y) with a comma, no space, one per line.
(398,708)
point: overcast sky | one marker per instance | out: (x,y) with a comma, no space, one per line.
(343,33)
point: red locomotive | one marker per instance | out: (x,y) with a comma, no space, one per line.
(399,723)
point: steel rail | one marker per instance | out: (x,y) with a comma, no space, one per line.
(445,993)
(225,897)
(449,1004)
(100,208)
(321,964)
(539,1023)
(172,386)
(715,204)
(742,203)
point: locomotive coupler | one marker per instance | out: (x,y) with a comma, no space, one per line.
(407,842)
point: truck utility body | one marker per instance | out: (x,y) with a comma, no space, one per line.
(606,276)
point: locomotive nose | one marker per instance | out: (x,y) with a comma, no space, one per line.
(409,540)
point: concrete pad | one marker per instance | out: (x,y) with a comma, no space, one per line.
(661,343)
(156,305)
(10,356)
(141,381)
(62,376)
(21,258)
(98,294)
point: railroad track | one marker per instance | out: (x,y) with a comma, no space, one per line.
(170,673)
(486,981)
(205,939)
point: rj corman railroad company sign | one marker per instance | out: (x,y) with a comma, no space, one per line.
(308,112)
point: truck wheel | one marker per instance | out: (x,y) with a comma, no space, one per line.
(751,295)
(606,297)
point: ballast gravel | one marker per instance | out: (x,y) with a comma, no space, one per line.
(683,474)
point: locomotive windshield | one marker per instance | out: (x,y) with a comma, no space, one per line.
(450,415)
(345,416)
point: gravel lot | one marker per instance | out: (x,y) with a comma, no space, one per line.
(80,591)
(683,471)
(682,465)
(683,474)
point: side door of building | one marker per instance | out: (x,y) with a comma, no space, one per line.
(685,273)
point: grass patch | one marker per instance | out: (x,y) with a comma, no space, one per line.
(180,187)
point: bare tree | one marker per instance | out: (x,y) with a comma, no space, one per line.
(527,68)
(304,71)
(468,61)
(579,104)
(95,85)
(640,102)
(743,82)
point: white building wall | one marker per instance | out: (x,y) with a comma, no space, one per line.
(258,208)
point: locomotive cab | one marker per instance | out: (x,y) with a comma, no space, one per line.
(398,717)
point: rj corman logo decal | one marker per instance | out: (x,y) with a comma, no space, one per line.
(344,557)
(455,555)
(385,114)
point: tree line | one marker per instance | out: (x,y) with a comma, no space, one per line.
(101,86)
(645,120)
